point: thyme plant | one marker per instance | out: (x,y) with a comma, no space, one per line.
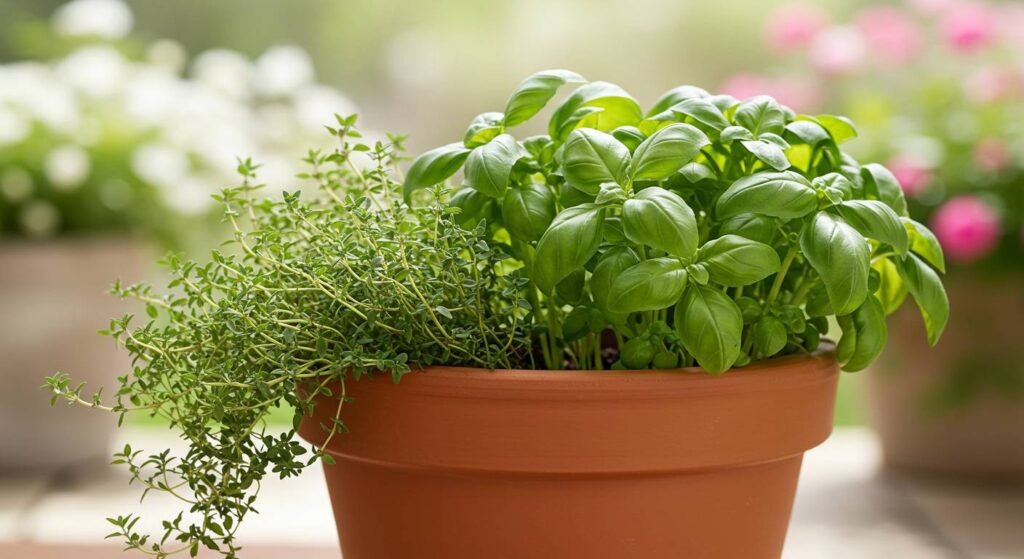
(705,231)
(316,292)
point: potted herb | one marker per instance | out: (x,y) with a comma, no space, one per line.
(108,149)
(607,343)
(940,102)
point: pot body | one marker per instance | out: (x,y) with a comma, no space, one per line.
(53,299)
(957,408)
(463,463)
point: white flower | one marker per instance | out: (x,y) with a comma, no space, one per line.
(97,71)
(281,70)
(67,166)
(39,219)
(16,184)
(36,89)
(226,71)
(168,54)
(316,105)
(13,127)
(160,164)
(110,19)
(152,96)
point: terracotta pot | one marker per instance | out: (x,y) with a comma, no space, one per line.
(466,463)
(952,409)
(53,299)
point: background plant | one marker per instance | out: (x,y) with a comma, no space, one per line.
(112,133)
(706,230)
(320,291)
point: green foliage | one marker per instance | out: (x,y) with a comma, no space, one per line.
(712,231)
(311,294)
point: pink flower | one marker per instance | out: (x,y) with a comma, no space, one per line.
(838,51)
(1011,23)
(967,26)
(890,32)
(792,26)
(992,155)
(913,174)
(967,228)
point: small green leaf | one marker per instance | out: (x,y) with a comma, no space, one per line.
(769,335)
(433,167)
(872,334)
(733,261)
(875,220)
(891,290)
(782,194)
(769,153)
(615,108)
(592,157)
(761,114)
(650,285)
(661,219)
(710,327)
(760,228)
(840,127)
(611,264)
(841,257)
(484,128)
(881,184)
(666,151)
(676,96)
(925,244)
(528,211)
(734,133)
(565,247)
(534,92)
(490,166)
(926,287)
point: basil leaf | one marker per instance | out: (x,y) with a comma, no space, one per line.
(675,96)
(473,206)
(616,108)
(840,127)
(631,136)
(872,334)
(433,167)
(733,261)
(484,128)
(610,265)
(926,287)
(661,219)
(841,256)
(534,92)
(666,151)
(733,133)
(880,183)
(755,227)
(769,153)
(891,290)
(565,247)
(925,244)
(528,211)
(489,167)
(761,114)
(847,341)
(591,157)
(710,327)
(702,114)
(808,132)
(650,285)
(784,194)
(769,335)
(877,221)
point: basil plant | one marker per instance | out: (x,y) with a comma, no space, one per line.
(704,231)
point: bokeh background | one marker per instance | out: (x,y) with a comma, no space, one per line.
(119,119)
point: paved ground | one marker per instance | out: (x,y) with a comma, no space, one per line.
(846,509)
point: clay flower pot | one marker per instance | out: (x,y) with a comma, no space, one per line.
(459,463)
(51,295)
(957,408)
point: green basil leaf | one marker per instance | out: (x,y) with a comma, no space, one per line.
(926,287)
(710,327)
(891,289)
(611,264)
(769,336)
(841,257)
(872,334)
(534,92)
(484,128)
(569,290)
(847,341)
(925,244)
(761,114)
(783,194)
(693,175)
(473,206)
(702,114)
(755,227)
(630,136)
(840,127)
(489,167)
(650,285)
(666,151)
(433,167)
(616,108)
(661,219)
(528,211)
(733,133)
(733,261)
(808,132)
(771,154)
(565,247)
(880,183)
(877,221)
(591,157)
(675,96)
